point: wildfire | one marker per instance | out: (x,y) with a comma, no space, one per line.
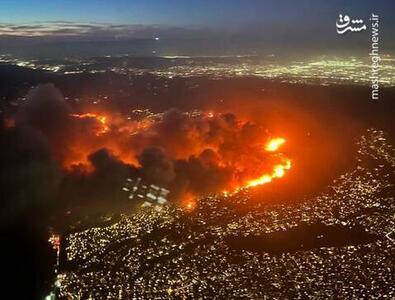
(190,206)
(274,144)
(210,114)
(104,128)
(278,172)
(208,146)
(188,203)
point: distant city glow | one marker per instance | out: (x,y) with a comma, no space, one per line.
(318,70)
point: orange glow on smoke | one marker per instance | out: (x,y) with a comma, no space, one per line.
(274,144)
(209,141)
(9,123)
(99,118)
(278,170)
(98,130)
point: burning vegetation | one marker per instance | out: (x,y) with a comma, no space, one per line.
(100,119)
(198,151)
(190,153)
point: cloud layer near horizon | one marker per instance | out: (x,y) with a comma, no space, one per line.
(63,29)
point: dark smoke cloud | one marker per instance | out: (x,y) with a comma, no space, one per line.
(46,111)
(182,135)
(100,189)
(156,166)
(29,177)
(200,154)
(33,183)
(190,153)
(201,175)
(29,181)
(110,173)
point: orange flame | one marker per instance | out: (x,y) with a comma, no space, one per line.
(274,144)
(99,118)
(278,172)
(188,203)
(248,172)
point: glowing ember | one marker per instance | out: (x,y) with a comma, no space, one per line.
(210,114)
(190,205)
(189,202)
(274,144)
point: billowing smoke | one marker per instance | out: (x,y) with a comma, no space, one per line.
(46,111)
(187,152)
(76,159)
(29,177)
(98,189)
(202,174)
(157,166)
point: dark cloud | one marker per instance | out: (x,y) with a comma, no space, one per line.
(193,153)
(50,30)
(30,173)
(201,175)
(107,165)
(46,111)
(24,27)
(29,177)
(156,166)
(100,189)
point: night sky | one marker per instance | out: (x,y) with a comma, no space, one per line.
(181,13)
(282,22)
